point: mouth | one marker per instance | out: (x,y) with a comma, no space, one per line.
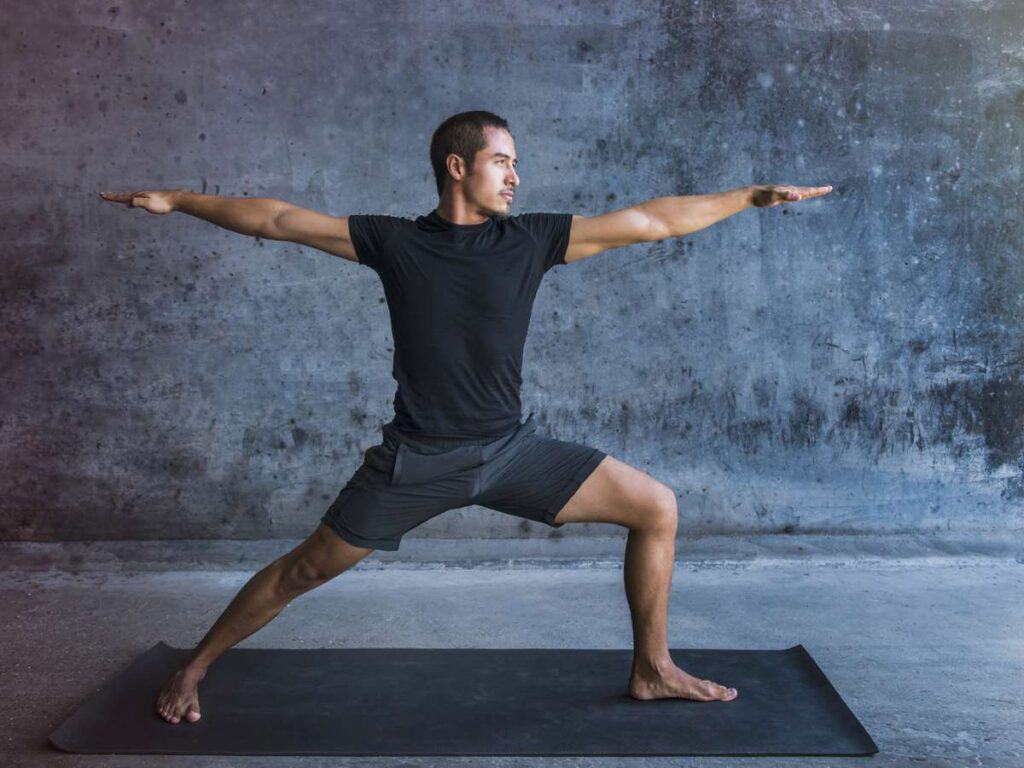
(508,195)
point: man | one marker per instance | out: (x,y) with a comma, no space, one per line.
(460,283)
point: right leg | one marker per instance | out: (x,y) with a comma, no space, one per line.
(315,561)
(371,512)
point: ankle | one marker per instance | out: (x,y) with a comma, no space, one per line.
(652,665)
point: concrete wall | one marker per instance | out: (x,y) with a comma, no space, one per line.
(849,364)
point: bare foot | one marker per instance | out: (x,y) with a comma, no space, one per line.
(180,697)
(672,682)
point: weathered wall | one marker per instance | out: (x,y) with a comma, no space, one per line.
(846,364)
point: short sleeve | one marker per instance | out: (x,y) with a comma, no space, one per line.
(551,232)
(370,233)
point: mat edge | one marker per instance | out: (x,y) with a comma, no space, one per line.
(849,709)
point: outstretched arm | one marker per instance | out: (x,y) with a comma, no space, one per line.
(264,217)
(665,217)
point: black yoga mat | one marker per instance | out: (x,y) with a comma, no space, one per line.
(467,701)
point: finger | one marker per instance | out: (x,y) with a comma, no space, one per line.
(128,198)
(815,191)
(794,194)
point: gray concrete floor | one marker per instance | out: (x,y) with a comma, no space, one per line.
(927,649)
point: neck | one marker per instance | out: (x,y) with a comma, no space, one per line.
(454,208)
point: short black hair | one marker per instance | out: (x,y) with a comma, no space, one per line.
(463,135)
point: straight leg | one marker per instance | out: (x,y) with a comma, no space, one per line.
(318,559)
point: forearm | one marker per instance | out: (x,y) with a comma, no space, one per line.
(246,215)
(683,214)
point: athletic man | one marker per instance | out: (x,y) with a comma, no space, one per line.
(460,283)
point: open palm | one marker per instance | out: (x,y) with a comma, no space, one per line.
(154,201)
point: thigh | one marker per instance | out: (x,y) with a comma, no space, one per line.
(536,476)
(617,492)
(372,512)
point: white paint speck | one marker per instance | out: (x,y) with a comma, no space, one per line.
(790,68)
(886,26)
(800,122)
(876,170)
(765,79)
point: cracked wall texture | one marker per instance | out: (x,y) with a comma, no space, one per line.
(848,364)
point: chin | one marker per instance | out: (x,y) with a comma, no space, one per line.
(502,213)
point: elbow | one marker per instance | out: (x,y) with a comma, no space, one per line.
(275,224)
(657,230)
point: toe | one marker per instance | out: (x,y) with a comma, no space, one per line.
(714,691)
(710,690)
(193,714)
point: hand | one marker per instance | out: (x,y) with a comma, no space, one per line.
(767,195)
(154,201)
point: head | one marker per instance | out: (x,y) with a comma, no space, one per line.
(474,156)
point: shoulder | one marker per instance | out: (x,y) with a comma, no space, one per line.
(371,232)
(377,227)
(540,217)
(550,231)
(379,220)
(544,224)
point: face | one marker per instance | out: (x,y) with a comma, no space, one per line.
(493,175)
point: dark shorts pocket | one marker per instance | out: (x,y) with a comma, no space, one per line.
(380,459)
(415,466)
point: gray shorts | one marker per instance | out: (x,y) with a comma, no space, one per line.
(403,482)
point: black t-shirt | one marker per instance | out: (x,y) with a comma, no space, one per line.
(460,298)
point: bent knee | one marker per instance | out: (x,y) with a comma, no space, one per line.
(664,515)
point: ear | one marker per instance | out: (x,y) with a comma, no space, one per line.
(456,166)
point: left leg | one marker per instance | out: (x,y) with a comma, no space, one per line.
(616,492)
